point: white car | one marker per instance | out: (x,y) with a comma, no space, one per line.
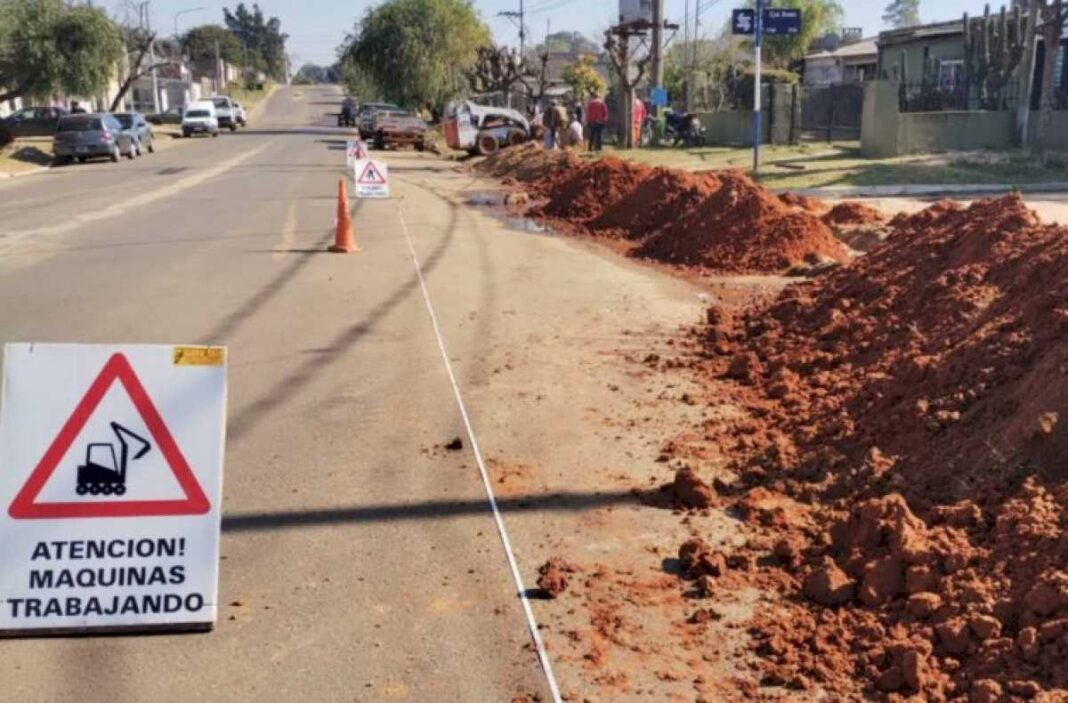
(200,118)
(242,116)
(224,111)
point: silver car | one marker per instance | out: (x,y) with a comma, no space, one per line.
(90,135)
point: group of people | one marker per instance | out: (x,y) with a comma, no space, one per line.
(564,128)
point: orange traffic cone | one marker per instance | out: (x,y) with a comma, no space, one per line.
(344,240)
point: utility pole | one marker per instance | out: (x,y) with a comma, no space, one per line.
(693,49)
(756,83)
(685,48)
(520,16)
(657,60)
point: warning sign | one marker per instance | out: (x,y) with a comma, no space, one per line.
(372,178)
(355,149)
(111,475)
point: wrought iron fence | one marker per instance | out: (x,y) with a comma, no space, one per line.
(962,96)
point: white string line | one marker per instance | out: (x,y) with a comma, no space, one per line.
(532,624)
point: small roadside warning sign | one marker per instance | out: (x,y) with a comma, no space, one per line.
(111,476)
(355,149)
(372,178)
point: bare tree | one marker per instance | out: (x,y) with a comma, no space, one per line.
(622,53)
(139,49)
(496,69)
(1052,16)
(536,81)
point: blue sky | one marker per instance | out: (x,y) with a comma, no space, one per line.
(316,27)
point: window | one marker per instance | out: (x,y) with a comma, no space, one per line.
(950,73)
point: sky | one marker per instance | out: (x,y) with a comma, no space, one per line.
(317,27)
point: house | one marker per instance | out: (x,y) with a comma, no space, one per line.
(911,54)
(853,62)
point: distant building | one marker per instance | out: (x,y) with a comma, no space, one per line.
(850,63)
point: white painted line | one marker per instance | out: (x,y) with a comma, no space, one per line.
(532,625)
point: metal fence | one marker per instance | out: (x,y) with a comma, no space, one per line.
(946,97)
(831,112)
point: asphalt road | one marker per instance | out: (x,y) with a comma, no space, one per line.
(360,560)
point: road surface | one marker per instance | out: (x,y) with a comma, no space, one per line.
(360,559)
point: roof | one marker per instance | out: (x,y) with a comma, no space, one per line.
(920,31)
(864,47)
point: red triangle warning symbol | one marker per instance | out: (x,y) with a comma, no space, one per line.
(117,368)
(371,175)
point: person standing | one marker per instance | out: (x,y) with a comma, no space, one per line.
(561,123)
(549,120)
(596,119)
(639,118)
(574,133)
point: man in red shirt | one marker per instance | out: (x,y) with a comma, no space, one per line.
(596,119)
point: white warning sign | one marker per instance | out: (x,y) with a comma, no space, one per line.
(372,178)
(111,484)
(355,149)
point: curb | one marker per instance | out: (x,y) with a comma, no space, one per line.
(4,175)
(933,189)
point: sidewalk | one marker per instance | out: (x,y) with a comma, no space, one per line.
(929,189)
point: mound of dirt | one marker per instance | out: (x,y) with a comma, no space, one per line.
(851,212)
(530,164)
(664,195)
(813,205)
(581,194)
(920,392)
(742,227)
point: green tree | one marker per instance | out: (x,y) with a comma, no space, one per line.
(902,13)
(583,78)
(47,46)
(817,18)
(419,52)
(263,40)
(199,44)
(356,81)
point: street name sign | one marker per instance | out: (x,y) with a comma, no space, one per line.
(111,462)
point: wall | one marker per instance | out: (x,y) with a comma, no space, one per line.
(954,131)
(887,132)
(732,127)
(780,120)
(1058,130)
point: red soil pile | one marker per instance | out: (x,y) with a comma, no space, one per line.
(914,400)
(582,194)
(853,213)
(666,194)
(530,164)
(742,227)
(813,205)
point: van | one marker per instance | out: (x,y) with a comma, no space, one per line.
(200,118)
(225,111)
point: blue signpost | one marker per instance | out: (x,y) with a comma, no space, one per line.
(776,22)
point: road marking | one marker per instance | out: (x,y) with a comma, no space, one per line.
(532,625)
(288,230)
(128,204)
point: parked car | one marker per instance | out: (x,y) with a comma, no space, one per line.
(365,117)
(142,130)
(242,116)
(88,135)
(171,115)
(34,121)
(224,112)
(481,129)
(398,128)
(200,118)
